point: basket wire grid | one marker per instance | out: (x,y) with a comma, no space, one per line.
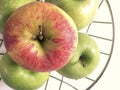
(91,80)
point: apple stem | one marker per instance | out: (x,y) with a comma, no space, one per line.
(40,36)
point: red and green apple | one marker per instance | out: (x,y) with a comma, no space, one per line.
(85,59)
(19,78)
(81,11)
(40,37)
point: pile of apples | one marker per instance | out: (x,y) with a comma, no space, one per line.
(41,37)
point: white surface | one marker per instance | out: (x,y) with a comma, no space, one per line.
(111,78)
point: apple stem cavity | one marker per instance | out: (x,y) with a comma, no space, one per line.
(81,59)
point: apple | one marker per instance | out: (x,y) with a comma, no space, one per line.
(85,59)
(81,11)
(7,7)
(40,37)
(19,78)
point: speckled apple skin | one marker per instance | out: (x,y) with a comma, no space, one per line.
(59,32)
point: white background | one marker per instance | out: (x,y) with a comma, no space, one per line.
(111,78)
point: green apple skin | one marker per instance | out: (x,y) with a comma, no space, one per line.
(19,78)
(81,11)
(85,59)
(7,7)
(40,36)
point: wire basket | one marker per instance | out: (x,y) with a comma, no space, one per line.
(102,30)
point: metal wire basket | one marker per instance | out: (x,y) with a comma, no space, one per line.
(102,31)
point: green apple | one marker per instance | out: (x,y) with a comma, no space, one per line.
(85,59)
(19,78)
(81,11)
(9,6)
